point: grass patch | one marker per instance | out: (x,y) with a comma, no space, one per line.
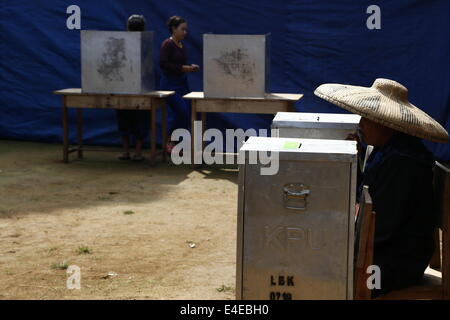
(128,212)
(52,249)
(84,250)
(60,266)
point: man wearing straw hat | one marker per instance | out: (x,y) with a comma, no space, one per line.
(399,174)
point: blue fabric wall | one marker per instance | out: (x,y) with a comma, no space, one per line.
(312,42)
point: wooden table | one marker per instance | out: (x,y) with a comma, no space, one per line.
(270,104)
(75,98)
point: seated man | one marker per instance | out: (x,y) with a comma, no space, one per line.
(399,173)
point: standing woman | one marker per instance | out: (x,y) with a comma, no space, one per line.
(173,63)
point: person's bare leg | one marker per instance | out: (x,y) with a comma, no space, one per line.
(125,147)
(168,144)
(126,144)
(139,144)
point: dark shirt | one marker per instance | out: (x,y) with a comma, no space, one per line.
(400,180)
(172,58)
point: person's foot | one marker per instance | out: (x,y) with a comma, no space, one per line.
(125,156)
(137,157)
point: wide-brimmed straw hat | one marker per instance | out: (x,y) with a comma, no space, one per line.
(386,103)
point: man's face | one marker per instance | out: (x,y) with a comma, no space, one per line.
(373,133)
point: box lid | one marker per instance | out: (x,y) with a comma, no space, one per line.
(315,120)
(303,149)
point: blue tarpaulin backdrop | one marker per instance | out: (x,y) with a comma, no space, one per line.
(312,42)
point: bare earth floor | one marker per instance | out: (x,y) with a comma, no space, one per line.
(168,232)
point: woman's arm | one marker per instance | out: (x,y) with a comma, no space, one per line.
(191,68)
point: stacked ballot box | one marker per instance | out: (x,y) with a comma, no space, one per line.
(296,227)
(315,125)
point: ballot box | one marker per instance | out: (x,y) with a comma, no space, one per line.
(296,228)
(315,125)
(235,66)
(117,62)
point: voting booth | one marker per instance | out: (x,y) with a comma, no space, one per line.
(117,62)
(236,66)
(315,125)
(296,228)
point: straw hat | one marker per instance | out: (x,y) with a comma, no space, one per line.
(386,103)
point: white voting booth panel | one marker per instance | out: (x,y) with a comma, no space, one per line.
(117,62)
(235,66)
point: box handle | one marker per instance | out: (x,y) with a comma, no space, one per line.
(295,196)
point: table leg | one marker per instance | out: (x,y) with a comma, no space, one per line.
(65,121)
(164,130)
(80,132)
(153,134)
(203,117)
(193,135)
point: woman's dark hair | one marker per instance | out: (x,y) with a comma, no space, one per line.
(136,23)
(174,22)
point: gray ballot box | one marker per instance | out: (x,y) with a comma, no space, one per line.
(315,125)
(295,232)
(236,66)
(117,62)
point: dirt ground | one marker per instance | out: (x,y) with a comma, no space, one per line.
(104,215)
